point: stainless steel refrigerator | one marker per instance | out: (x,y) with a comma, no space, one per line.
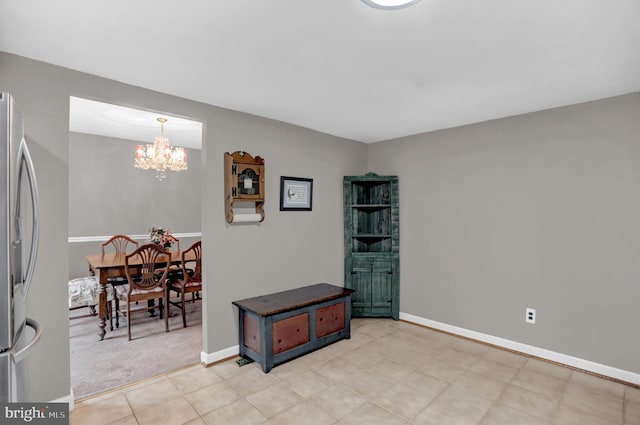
(18,251)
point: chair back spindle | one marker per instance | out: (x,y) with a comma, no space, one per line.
(120,243)
(152,268)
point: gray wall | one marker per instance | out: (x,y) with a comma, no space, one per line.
(288,250)
(46,121)
(107,195)
(540,210)
(535,211)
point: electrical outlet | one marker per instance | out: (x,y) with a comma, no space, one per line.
(530,315)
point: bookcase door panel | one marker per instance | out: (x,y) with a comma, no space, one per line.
(381,294)
(361,282)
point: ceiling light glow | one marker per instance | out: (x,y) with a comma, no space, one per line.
(389,4)
(160,156)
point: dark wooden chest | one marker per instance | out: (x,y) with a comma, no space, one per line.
(277,327)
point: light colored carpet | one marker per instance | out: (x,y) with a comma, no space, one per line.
(98,366)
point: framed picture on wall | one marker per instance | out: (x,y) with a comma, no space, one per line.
(296,193)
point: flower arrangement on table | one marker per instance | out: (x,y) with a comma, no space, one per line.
(161,236)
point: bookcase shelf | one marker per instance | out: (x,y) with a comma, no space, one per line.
(372,244)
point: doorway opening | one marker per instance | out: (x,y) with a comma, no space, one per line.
(108,196)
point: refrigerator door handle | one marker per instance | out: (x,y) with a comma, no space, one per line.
(22,353)
(24,157)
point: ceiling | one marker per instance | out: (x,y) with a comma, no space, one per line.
(104,119)
(339,66)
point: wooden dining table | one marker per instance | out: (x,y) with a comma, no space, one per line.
(111,265)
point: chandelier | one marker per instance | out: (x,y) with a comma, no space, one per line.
(160,155)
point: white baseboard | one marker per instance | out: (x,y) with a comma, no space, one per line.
(587,365)
(578,363)
(208,358)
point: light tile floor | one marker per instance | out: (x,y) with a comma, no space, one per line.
(387,373)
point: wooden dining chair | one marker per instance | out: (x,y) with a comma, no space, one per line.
(119,244)
(146,275)
(175,272)
(191,281)
(174,241)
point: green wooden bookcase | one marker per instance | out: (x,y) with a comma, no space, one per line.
(372,245)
